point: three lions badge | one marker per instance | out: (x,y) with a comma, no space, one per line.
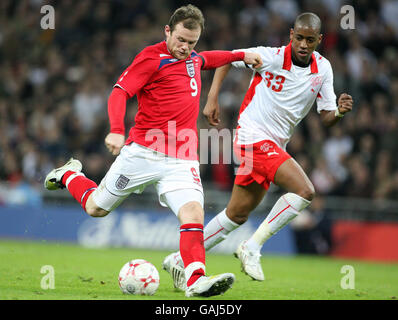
(190,68)
(121,182)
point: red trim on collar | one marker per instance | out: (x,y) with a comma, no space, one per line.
(287,59)
(314,65)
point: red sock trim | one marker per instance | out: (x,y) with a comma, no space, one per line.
(65,177)
(85,198)
(192,227)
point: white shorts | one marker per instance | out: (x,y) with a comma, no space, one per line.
(136,167)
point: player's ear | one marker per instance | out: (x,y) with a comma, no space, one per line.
(320,38)
(291,34)
(167,30)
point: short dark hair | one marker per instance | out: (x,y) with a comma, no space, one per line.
(310,20)
(190,16)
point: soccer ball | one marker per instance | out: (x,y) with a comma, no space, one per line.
(139,277)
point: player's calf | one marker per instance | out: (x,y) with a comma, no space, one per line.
(218,229)
(284,210)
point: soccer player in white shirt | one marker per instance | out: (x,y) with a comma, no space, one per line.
(280,95)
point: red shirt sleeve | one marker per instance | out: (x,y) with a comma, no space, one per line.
(137,75)
(117,110)
(217,58)
(133,79)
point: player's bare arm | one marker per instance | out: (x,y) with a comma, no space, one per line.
(344,105)
(212,110)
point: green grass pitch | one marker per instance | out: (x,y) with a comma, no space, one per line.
(91,274)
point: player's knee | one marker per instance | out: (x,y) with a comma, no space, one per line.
(238,215)
(191,212)
(240,219)
(239,210)
(96,212)
(308,192)
(92,209)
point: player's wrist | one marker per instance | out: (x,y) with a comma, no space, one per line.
(117,131)
(338,114)
(212,96)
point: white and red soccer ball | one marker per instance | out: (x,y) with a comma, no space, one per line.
(139,277)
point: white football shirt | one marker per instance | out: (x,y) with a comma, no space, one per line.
(281,94)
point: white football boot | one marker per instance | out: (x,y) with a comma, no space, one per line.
(251,264)
(53,180)
(174,265)
(210,286)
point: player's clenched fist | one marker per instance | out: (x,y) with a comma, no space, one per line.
(254,59)
(114,142)
(345,103)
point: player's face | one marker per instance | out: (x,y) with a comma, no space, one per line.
(181,40)
(304,42)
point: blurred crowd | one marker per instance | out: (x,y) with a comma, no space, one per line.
(54,85)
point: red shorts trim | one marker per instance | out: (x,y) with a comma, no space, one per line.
(259,162)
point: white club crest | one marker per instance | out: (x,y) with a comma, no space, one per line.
(190,68)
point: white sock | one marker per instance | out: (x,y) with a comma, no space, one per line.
(217,229)
(285,209)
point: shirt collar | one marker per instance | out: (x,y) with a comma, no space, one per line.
(287,59)
(193,53)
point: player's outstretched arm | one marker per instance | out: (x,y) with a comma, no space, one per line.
(344,105)
(212,110)
(217,58)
